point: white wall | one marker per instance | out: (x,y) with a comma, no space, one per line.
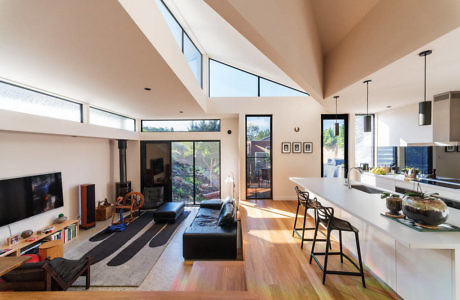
(81,160)
(399,126)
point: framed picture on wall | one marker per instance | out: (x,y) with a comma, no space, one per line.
(285,147)
(450,149)
(296,147)
(307,147)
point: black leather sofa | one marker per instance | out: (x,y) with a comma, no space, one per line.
(205,239)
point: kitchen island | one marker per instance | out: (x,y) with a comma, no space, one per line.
(417,265)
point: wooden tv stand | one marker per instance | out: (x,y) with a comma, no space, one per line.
(62,227)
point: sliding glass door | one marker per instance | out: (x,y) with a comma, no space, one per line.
(334,149)
(195,170)
(258,157)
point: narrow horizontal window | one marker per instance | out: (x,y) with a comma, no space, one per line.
(108,119)
(20,99)
(180,125)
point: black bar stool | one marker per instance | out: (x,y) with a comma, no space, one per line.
(303,199)
(325,215)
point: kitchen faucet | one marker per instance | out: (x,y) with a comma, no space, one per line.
(347,180)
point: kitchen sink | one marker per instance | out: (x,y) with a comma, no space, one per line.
(366,189)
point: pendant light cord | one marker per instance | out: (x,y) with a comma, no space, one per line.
(367,98)
(424,86)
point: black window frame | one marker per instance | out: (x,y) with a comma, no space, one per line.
(112,113)
(257,76)
(246,154)
(48,95)
(346,128)
(153,120)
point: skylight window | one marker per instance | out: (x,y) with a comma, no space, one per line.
(108,119)
(188,48)
(228,81)
(20,99)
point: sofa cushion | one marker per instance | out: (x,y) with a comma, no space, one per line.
(214,204)
(226,215)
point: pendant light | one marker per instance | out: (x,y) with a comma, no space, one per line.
(336,125)
(367,118)
(424,107)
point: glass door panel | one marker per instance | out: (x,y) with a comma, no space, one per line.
(207,170)
(334,153)
(182,172)
(258,157)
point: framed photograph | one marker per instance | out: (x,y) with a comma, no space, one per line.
(296,147)
(307,147)
(285,147)
(11,240)
(451,148)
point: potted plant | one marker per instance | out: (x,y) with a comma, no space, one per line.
(425,209)
(411,173)
(394,203)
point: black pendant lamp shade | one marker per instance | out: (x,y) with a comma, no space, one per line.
(367,118)
(424,107)
(336,125)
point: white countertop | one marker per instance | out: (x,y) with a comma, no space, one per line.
(367,207)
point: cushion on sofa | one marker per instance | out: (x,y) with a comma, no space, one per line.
(214,204)
(226,215)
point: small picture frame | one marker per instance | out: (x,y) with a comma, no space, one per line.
(11,240)
(307,147)
(451,148)
(285,147)
(296,147)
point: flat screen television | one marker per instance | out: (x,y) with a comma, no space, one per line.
(25,197)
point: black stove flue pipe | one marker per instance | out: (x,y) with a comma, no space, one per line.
(124,186)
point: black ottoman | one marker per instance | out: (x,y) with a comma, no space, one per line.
(168,212)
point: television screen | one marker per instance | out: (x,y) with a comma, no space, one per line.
(24,197)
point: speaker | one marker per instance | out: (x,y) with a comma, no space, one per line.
(87,205)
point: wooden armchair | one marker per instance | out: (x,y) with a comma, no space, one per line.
(131,202)
(49,275)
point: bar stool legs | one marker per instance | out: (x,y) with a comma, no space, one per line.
(295,220)
(359,258)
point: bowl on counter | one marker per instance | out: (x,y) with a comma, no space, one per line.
(425,209)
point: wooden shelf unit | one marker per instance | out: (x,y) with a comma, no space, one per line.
(16,248)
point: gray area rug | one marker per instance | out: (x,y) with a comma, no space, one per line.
(132,272)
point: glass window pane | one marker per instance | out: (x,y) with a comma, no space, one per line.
(182,171)
(193,57)
(258,157)
(181,126)
(103,118)
(207,170)
(175,28)
(420,158)
(386,156)
(364,142)
(225,81)
(333,149)
(23,100)
(272,89)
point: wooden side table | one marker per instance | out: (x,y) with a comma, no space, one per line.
(51,249)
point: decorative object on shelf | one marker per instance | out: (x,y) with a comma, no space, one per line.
(307,147)
(61,218)
(394,204)
(425,209)
(285,147)
(297,129)
(411,173)
(450,149)
(11,240)
(296,147)
(336,125)
(424,107)
(26,233)
(368,118)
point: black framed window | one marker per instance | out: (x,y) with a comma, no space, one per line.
(228,81)
(188,48)
(364,141)
(259,184)
(104,118)
(25,100)
(208,125)
(334,149)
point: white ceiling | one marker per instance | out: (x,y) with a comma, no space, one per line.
(401,83)
(220,41)
(90,51)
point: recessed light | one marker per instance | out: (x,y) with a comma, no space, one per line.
(147,89)
(181,111)
(388,106)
